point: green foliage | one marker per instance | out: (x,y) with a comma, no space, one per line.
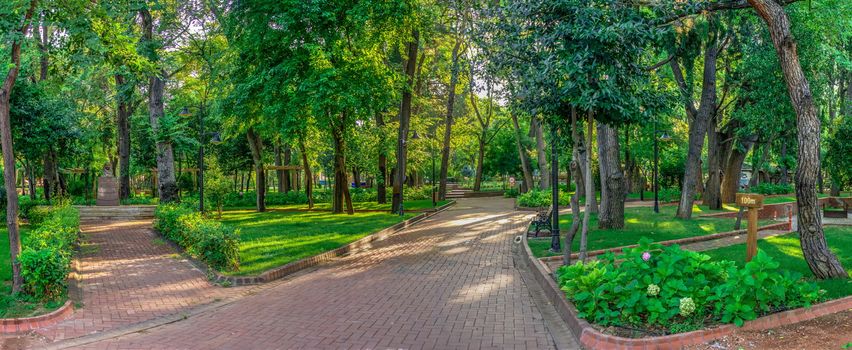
(511,193)
(210,241)
(837,157)
(770,188)
(667,287)
(45,260)
(539,198)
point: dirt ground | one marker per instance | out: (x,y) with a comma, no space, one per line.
(827,332)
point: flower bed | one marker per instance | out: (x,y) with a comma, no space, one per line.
(656,290)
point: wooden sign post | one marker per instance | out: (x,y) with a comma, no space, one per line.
(753,202)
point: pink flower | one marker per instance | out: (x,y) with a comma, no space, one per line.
(646,256)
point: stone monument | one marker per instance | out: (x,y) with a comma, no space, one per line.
(107,188)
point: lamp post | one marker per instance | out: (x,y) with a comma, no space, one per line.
(432,154)
(664,137)
(215,139)
(555,245)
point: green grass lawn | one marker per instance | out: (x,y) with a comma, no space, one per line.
(414,205)
(275,238)
(787,250)
(11,306)
(640,222)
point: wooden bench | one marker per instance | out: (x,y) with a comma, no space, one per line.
(542,221)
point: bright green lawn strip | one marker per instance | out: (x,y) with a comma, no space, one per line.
(420,205)
(11,306)
(787,250)
(640,222)
(275,238)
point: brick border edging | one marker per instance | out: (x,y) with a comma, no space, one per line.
(778,226)
(295,266)
(593,339)
(15,325)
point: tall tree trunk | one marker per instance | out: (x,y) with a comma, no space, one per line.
(309,185)
(156,109)
(123,122)
(356,177)
(590,192)
(522,152)
(287,175)
(823,263)
(480,157)
(341,182)
(783,164)
(698,127)
(381,182)
(256,145)
(544,181)
(51,175)
(404,119)
(611,214)
(712,191)
(279,174)
(577,174)
(733,169)
(9,172)
(31,178)
(448,122)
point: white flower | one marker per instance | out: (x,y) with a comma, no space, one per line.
(653,289)
(687,306)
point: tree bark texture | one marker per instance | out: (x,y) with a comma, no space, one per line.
(123,123)
(733,169)
(309,184)
(822,262)
(256,145)
(448,121)
(577,174)
(544,181)
(381,183)
(480,158)
(404,120)
(590,191)
(712,196)
(698,127)
(522,152)
(611,213)
(279,174)
(9,171)
(341,196)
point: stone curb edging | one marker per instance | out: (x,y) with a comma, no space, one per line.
(15,325)
(290,268)
(593,339)
(778,226)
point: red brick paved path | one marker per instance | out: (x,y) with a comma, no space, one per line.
(129,276)
(449,282)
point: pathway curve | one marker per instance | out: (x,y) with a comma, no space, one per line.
(448,282)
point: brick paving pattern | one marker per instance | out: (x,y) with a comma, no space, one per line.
(129,276)
(447,283)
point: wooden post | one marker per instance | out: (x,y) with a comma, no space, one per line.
(753,202)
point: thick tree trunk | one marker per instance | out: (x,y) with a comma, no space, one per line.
(611,214)
(448,122)
(698,129)
(733,169)
(123,122)
(9,172)
(404,120)
(256,145)
(356,177)
(522,152)
(480,158)
(309,185)
(544,181)
(51,175)
(712,196)
(823,263)
(381,181)
(341,182)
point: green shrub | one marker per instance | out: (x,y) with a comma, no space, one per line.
(511,193)
(209,241)
(45,260)
(670,288)
(770,189)
(534,199)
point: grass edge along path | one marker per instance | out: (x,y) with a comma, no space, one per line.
(787,250)
(276,238)
(639,222)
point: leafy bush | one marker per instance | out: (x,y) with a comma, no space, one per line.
(673,289)
(207,240)
(45,260)
(26,205)
(511,193)
(770,188)
(534,199)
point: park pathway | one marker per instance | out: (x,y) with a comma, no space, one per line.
(448,282)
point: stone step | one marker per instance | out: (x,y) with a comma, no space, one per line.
(124,212)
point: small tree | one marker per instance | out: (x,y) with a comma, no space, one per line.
(216,187)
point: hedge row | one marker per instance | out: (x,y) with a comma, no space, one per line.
(46,258)
(210,241)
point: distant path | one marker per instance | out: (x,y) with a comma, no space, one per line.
(448,282)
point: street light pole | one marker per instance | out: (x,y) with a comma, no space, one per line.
(555,245)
